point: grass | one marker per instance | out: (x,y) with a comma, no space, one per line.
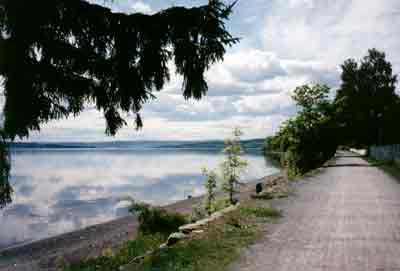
(214,249)
(153,220)
(390,168)
(262,212)
(130,250)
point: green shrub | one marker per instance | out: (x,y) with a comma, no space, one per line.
(233,164)
(113,261)
(156,220)
(197,213)
(210,186)
(221,204)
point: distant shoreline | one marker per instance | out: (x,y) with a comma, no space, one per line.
(249,143)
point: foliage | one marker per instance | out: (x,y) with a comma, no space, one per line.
(363,113)
(156,220)
(214,249)
(58,57)
(130,250)
(366,103)
(221,203)
(217,247)
(263,212)
(306,141)
(210,185)
(198,212)
(390,167)
(312,99)
(233,164)
(5,187)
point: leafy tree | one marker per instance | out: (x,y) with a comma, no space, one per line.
(233,164)
(308,140)
(312,99)
(366,102)
(364,112)
(58,57)
(210,185)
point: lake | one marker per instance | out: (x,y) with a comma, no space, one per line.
(67,186)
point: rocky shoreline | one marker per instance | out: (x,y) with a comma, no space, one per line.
(49,254)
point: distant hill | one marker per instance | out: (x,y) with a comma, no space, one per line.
(249,145)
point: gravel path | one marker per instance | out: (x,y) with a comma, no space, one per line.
(346,218)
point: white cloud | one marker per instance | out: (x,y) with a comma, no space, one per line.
(284,44)
(331,31)
(253,65)
(126,6)
(140,6)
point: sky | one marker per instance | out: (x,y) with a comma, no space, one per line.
(284,44)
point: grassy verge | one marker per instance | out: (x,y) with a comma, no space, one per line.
(389,167)
(213,249)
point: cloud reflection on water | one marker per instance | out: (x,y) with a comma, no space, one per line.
(63,190)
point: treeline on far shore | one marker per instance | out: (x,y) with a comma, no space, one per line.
(361,113)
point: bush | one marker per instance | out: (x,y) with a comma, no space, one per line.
(197,213)
(233,164)
(115,259)
(156,220)
(306,141)
(221,204)
(210,186)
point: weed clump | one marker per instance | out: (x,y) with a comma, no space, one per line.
(156,220)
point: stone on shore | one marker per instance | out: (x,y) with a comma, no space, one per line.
(188,228)
(175,238)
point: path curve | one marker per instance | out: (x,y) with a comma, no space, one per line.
(345,219)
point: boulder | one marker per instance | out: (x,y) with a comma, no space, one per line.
(175,238)
(188,228)
(163,246)
(259,188)
(263,195)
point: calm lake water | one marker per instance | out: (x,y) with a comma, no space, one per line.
(63,188)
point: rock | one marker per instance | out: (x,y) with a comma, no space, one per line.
(175,238)
(259,188)
(216,215)
(230,208)
(188,228)
(163,246)
(264,195)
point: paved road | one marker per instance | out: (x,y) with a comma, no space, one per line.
(347,219)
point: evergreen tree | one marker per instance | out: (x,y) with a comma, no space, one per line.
(5,187)
(58,57)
